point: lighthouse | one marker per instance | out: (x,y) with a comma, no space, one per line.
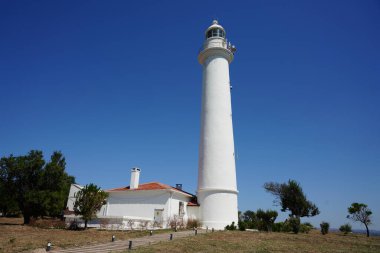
(217,188)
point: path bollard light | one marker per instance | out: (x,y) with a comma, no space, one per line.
(130,245)
(113,238)
(48,246)
(196,231)
(171,237)
(151,233)
(212,230)
(206,229)
(175,229)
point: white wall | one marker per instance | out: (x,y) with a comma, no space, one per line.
(135,203)
(141,204)
(74,188)
(193,212)
(173,204)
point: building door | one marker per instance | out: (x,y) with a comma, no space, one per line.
(158,217)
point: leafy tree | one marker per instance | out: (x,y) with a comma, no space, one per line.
(8,204)
(360,212)
(250,219)
(55,185)
(266,219)
(291,198)
(36,187)
(88,202)
(346,228)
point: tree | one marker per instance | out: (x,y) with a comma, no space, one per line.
(346,228)
(37,188)
(88,202)
(8,204)
(291,198)
(360,212)
(55,185)
(266,219)
(250,219)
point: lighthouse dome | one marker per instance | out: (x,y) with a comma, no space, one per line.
(215,30)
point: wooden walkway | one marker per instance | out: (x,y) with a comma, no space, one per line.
(118,246)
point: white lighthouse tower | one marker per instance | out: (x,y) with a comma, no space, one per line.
(217,191)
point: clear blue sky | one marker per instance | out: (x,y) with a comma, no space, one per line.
(116,84)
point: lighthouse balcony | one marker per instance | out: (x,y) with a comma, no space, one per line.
(217,43)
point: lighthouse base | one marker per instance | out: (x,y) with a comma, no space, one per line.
(218,208)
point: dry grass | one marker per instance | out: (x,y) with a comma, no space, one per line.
(15,237)
(236,241)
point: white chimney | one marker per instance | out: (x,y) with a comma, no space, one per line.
(135,176)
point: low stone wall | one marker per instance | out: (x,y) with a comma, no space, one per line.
(114,223)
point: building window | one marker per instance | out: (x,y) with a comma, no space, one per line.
(181,210)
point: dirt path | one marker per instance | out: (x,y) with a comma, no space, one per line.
(123,245)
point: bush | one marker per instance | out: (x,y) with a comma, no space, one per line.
(74,225)
(193,223)
(278,227)
(231,227)
(242,226)
(346,228)
(305,228)
(325,228)
(294,224)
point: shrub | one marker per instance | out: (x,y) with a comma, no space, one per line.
(74,225)
(325,227)
(242,226)
(278,226)
(176,222)
(346,228)
(193,223)
(266,219)
(305,228)
(231,227)
(286,227)
(294,224)
(145,224)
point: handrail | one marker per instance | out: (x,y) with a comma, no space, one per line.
(212,44)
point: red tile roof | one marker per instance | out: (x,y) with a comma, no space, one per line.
(193,202)
(148,187)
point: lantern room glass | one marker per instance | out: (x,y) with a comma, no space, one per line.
(216,32)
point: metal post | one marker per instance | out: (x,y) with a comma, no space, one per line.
(212,230)
(196,231)
(130,245)
(171,237)
(48,246)
(113,238)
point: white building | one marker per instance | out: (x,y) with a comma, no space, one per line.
(150,204)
